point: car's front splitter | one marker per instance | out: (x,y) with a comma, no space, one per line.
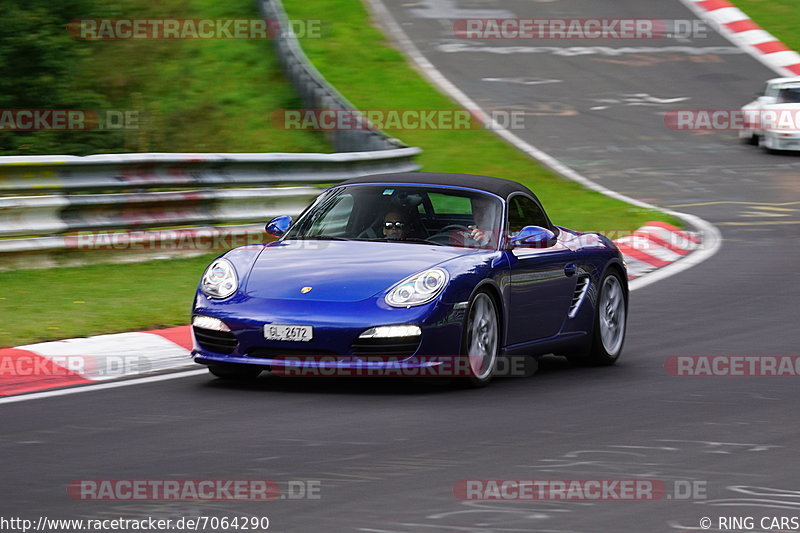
(451,366)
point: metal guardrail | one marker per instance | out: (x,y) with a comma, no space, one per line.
(212,190)
(98,173)
(45,215)
(316,92)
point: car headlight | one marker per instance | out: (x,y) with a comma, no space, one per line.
(219,279)
(418,289)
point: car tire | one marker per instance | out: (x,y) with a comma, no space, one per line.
(481,340)
(762,143)
(610,324)
(235,372)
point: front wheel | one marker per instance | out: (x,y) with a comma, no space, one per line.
(481,340)
(235,372)
(610,321)
(762,143)
(750,138)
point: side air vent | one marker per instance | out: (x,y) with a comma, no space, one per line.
(581,289)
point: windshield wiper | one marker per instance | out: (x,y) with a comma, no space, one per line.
(410,239)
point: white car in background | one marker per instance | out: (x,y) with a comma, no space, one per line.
(772,120)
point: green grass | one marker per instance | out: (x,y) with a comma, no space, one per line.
(197,95)
(60,303)
(359,61)
(778,17)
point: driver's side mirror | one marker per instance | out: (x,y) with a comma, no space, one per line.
(278,225)
(766,100)
(533,237)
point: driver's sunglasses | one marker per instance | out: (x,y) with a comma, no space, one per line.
(393,225)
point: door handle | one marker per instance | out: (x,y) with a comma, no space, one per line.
(569,270)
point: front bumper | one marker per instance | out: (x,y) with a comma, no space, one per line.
(335,343)
(782,140)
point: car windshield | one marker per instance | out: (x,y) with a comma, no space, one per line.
(404,214)
(789,95)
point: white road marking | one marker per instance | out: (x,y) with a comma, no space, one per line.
(101,386)
(638,99)
(523,81)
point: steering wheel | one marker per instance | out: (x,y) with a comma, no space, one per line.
(453,227)
(443,235)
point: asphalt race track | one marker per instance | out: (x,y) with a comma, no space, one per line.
(388,453)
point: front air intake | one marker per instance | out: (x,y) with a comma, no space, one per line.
(215,341)
(397,346)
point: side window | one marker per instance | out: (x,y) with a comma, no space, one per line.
(522,211)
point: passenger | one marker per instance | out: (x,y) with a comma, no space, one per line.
(482,233)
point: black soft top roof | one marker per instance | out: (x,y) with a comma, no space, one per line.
(498,186)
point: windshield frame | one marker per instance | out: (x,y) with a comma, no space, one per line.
(322,202)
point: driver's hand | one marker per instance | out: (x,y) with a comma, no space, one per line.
(478,235)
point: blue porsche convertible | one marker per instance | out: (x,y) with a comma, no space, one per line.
(424,273)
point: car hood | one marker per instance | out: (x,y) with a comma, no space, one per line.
(343,271)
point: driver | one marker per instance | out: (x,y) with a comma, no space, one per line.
(395,226)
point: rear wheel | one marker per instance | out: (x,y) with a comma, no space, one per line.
(235,372)
(481,342)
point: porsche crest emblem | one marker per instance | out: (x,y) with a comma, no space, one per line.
(304,290)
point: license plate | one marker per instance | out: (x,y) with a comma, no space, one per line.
(282,332)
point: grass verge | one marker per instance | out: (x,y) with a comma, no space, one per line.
(778,17)
(186,95)
(199,95)
(61,303)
